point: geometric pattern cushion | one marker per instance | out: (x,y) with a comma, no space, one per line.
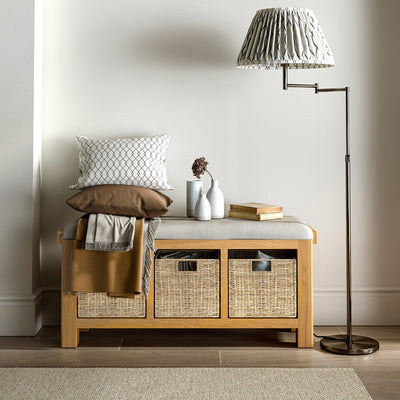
(138,161)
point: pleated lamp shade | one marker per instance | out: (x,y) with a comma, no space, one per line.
(285,36)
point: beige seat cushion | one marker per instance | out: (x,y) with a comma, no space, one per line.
(231,228)
(227,228)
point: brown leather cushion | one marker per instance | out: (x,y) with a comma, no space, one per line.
(132,201)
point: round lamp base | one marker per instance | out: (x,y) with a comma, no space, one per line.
(360,345)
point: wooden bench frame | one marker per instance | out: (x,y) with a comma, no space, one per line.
(71,325)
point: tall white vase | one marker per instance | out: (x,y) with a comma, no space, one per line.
(203,208)
(193,190)
(216,199)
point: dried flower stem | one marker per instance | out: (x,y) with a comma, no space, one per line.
(209,173)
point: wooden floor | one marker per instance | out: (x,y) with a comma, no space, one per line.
(380,372)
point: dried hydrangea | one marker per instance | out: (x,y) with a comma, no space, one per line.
(199,167)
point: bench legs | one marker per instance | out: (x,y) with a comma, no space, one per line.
(69,331)
(69,337)
(305,289)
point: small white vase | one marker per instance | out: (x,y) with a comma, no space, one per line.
(193,190)
(203,208)
(216,199)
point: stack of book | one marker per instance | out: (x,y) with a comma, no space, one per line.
(255,211)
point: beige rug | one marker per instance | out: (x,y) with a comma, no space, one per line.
(181,383)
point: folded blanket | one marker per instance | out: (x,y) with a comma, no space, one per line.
(110,232)
(120,274)
(150,229)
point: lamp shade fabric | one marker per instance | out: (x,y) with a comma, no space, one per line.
(285,36)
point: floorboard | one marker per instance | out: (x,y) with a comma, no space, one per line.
(380,372)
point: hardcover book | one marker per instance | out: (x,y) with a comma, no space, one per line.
(256,208)
(255,217)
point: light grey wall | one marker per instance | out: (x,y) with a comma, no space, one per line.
(19,172)
(123,67)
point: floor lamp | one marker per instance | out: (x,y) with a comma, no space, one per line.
(292,38)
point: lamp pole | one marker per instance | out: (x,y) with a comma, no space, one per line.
(343,344)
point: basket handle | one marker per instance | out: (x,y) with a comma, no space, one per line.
(268,262)
(187,265)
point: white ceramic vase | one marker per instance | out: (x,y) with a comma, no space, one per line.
(203,208)
(193,190)
(216,199)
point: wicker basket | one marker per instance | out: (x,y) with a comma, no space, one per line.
(97,305)
(258,294)
(187,294)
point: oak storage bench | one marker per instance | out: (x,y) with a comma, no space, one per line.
(239,274)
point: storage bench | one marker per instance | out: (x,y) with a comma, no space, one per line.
(249,274)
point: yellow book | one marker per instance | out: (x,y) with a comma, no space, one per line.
(255,217)
(256,208)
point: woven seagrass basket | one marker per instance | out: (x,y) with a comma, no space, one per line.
(258,294)
(98,305)
(184,293)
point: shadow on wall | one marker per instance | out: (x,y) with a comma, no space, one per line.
(184,48)
(54,212)
(384,212)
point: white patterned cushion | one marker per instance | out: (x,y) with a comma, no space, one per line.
(138,161)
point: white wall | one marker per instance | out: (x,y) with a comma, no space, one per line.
(123,67)
(19,172)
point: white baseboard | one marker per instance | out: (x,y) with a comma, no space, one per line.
(370,306)
(24,315)
(21,315)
